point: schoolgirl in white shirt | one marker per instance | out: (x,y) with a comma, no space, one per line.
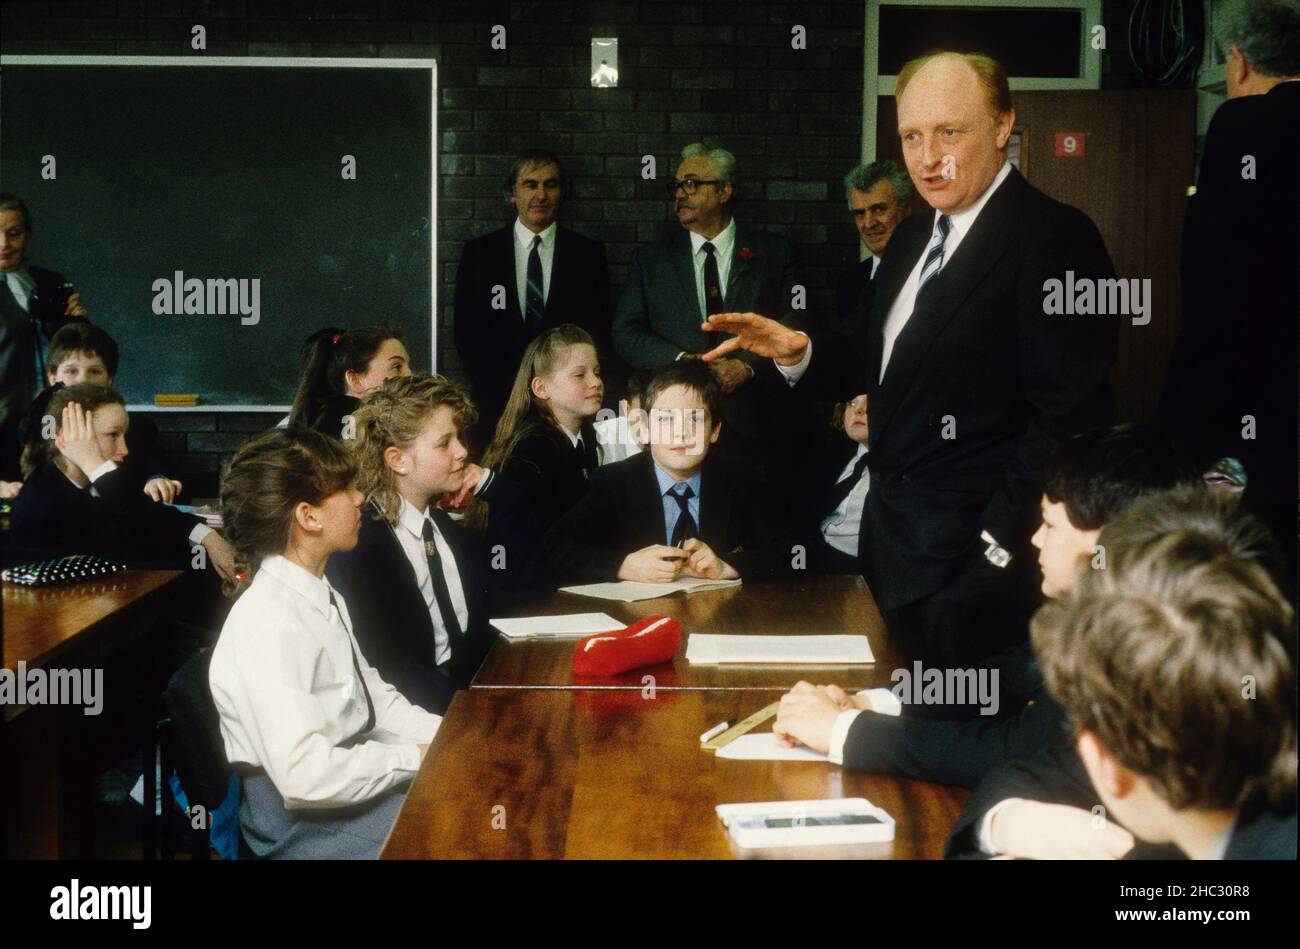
(325,747)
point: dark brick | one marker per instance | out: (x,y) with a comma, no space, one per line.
(535,99)
(584,166)
(607,232)
(779,212)
(624,142)
(279,49)
(762,36)
(169,442)
(541,12)
(570,122)
(807,233)
(735,13)
(473,142)
(797,190)
(452,208)
(514,77)
(826,213)
(460,230)
(652,79)
(709,123)
(627,166)
(473,99)
(345,9)
(682,101)
(610,13)
(719,35)
(678,56)
(470,187)
(183,421)
(821,124)
(345,50)
(604,99)
(455,120)
(659,11)
(704,79)
(798,102)
(633,211)
(635,121)
(609,188)
(504,121)
(766,122)
(565,77)
(797,145)
(773,79)
(521,55)
(456,164)
(195,464)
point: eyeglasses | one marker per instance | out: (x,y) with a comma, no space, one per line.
(689,185)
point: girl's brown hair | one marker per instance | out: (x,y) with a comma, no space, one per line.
(327,356)
(50,403)
(524,415)
(267,478)
(394,415)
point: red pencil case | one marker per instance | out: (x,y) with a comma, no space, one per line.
(646,642)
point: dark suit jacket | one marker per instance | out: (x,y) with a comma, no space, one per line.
(979,349)
(1237,350)
(491,342)
(853,288)
(393,626)
(52,517)
(962,751)
(548,473)
(659,316)
(1056,775)
(623,512)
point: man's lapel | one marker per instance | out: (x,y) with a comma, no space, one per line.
(740,280)
(559,258)
(679,251)
(505,255)
(645,505)
(979,251)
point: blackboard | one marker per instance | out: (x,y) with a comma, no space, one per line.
(229,169)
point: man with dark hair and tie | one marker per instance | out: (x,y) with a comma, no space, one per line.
(713,264)
(879,196)
(34,303)
(971,381)
(528,277)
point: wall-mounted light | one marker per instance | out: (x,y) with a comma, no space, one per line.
(604,62)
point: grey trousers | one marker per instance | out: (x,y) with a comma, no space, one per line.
(345,833)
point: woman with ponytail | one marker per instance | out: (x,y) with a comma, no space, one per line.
(324,746)
(339,367)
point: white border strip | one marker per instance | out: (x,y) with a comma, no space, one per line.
(311,62)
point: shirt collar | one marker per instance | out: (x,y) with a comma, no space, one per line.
(667,481)
(721,244)
(963,220)
(315,590)
(1219,849)
(525,237)
(21,276)
(571,436)
(413,520)
(875,265)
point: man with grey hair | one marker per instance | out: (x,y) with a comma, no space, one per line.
(712,265)
(1232,382)
(879,196)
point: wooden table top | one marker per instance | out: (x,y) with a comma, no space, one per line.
(789,606)
(42,623)
(608,774)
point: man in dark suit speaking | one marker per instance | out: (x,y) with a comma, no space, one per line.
(712,264)
(971,381)
(528,277)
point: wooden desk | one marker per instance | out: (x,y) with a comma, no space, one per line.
(48,756)
(812,604)
(597,775)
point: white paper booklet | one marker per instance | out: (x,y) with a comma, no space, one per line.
(779,650)
(629,591)
(569,626)
(765,747)
(806,823)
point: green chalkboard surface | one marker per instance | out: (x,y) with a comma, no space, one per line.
(228,174)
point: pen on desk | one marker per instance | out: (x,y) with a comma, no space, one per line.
(715,731)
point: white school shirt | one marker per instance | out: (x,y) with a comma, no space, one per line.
(545,253)
(840,528)
(901,310)
(285,685)
(410,523)
(196,536)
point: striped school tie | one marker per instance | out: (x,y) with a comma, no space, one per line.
(534,306)
(934,256)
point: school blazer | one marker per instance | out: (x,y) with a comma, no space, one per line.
(963,751)
(545,467)
(623,512)
(390,620)
(491,342)
(981,387)
(52,517)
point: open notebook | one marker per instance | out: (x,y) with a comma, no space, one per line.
(834,650)
(629,591)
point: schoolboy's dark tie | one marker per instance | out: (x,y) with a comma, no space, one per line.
(441,595)
(356,664)
(685,528)
(534,305)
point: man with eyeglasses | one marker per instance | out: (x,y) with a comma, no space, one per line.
(713,265)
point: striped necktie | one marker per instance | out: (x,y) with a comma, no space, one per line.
(934,256)
(534,305)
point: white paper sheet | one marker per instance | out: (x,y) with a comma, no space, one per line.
(835,650)
(764,747)
(629,591)
(569,626)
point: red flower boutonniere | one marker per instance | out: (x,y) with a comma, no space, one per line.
(748,253)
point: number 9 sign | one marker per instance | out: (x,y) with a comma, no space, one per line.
(1070,144)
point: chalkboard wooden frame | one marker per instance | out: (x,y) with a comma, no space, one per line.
(273,62)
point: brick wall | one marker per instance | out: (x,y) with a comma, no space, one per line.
(719,70)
